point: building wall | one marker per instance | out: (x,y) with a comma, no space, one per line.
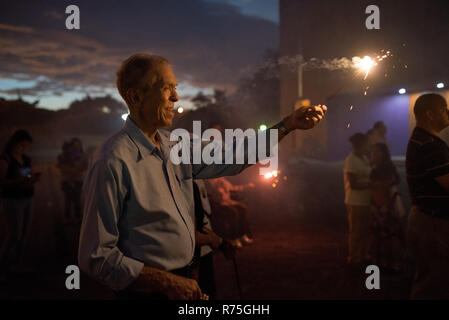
(327,29)
(343,122)
(395,110)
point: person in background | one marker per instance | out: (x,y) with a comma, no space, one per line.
(222,194)
(207,241)
(17,181)
(357,172)
(72,163)
(427,164)
(389,241)
(378,134)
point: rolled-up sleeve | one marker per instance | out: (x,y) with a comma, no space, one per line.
(98,254)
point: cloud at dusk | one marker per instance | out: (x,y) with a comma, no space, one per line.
(210,44)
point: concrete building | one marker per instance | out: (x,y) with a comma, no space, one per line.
(416,33)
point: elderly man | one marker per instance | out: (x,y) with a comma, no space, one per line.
(428,179)
(138,234)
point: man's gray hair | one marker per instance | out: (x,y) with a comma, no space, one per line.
(133,70)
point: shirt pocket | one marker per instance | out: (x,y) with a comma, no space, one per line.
(183,172)
(182,180)
(186,189)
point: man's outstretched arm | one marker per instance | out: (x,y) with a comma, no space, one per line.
(304,118)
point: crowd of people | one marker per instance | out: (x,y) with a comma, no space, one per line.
(375,208)
(378,231)
(18,179)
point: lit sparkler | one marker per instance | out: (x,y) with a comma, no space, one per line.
(365,64)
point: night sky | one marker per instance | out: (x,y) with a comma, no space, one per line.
(211,44)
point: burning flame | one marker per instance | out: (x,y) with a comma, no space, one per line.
(272,174)
(365,64)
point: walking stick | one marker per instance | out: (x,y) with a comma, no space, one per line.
(237,276)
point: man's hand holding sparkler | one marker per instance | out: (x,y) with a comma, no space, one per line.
(303,118)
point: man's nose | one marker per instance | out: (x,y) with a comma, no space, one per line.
(174,97)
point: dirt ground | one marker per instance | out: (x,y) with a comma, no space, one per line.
(296,260)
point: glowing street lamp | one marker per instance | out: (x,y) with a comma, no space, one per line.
(402,91)
(263,127)
(440,85)
(180,110)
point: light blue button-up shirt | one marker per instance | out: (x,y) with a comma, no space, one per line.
(139,208)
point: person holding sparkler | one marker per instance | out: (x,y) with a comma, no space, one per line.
(138,233)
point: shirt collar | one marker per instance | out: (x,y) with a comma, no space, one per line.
(145,146)
(421,132)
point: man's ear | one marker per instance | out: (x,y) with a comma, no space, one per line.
(133,98)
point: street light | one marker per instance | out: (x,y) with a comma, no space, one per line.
(402,91)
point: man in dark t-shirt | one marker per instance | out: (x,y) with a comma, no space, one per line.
(428,180)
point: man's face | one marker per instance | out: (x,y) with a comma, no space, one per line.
(159,99)
(440,118)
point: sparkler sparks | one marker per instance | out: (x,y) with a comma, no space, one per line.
(367,63)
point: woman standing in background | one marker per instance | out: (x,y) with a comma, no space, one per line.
(17,181)
(390,241)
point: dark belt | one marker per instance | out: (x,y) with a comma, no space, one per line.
(187,271)
(437,213)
